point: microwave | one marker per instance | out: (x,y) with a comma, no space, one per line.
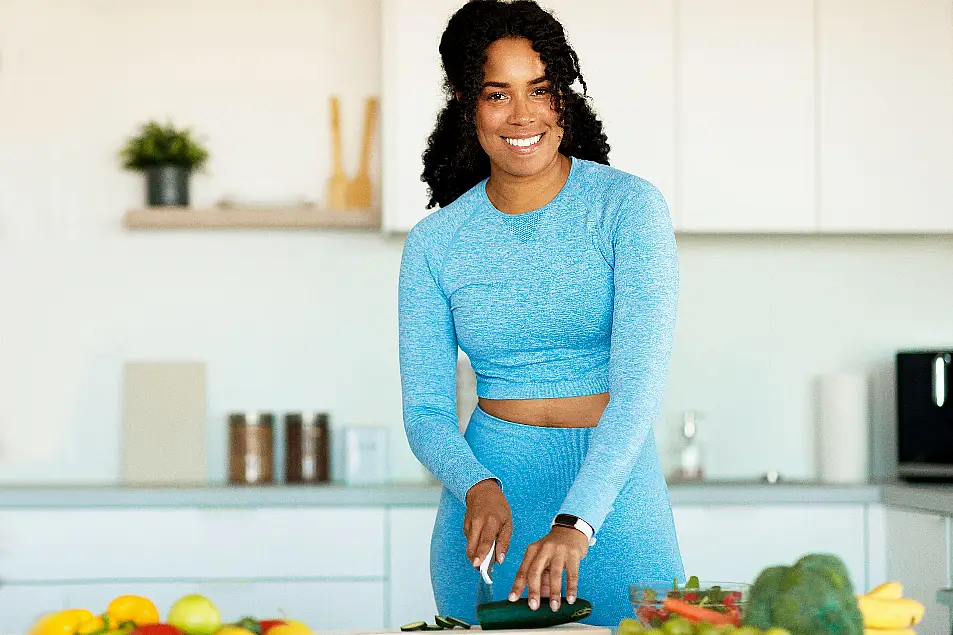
(925,415)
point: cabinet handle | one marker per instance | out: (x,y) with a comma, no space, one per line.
(940,364)
(945,597)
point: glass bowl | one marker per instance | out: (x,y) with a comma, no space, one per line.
(730,598)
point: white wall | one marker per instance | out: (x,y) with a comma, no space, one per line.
(292,320)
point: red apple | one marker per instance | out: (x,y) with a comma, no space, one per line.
(265,625)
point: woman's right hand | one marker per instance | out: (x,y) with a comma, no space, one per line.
(488,518)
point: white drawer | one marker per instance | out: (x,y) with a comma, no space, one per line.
(85,544)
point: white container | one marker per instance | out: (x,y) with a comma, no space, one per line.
(843,429)
(361,455)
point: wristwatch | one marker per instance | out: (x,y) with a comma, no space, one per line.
(575,522)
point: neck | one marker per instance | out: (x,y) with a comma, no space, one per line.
(513,194)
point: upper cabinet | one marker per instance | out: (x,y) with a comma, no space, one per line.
(626,53)
(411,97)
(745,87)
(886,115)
(627,63)
(789,116)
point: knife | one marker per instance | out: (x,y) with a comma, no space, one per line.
(485,583)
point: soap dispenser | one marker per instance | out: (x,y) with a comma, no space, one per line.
(690,459)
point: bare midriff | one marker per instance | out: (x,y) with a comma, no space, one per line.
(562,412)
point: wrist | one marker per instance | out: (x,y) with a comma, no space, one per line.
(575,523)
(483,486)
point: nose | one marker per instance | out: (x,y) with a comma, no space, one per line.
(522,111)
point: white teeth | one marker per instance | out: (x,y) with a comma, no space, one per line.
(523,143)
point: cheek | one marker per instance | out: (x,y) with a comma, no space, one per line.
(487,122)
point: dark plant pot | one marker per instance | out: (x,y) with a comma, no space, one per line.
(167,185)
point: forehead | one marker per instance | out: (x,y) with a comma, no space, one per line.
(512,59)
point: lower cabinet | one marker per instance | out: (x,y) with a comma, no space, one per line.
(917,555)
(411,593)
(20,605)
(734,543)
(321,605)
(377,574)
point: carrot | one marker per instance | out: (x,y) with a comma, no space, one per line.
(697,613)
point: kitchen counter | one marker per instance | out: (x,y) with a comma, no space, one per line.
(712,493)
(937,499)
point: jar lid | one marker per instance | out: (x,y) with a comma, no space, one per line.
(252,418)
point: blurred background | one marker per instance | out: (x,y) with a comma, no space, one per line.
(164,353)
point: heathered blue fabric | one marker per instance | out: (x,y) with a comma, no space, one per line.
(575,298)
(637,543)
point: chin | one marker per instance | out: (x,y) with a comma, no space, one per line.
(528,165)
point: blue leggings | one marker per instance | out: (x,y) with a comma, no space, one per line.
(537,465)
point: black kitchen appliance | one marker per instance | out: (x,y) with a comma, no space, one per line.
(925,415)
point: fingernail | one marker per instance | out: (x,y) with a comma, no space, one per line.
(534,604)
(512,597)
(476,562)
(499,558)
(554,604)
(571,599)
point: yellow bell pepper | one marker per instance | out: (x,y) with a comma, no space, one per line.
(61,622)
(95,624)
(131,608)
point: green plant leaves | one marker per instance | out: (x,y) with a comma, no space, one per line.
(157,144)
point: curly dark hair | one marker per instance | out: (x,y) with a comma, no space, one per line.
(454,161)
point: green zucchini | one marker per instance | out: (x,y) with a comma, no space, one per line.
(455,622)
(506,614)
(444,622)
(432,627)
(414,626)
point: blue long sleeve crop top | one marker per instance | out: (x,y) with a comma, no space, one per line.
(577,297)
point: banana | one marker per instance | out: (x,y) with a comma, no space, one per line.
(882,613)
(891,631)
(887,590)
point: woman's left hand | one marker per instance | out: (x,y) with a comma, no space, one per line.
(543,564)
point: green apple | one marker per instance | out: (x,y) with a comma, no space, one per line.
(195,615)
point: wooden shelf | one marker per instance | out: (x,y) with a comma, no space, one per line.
(241,217)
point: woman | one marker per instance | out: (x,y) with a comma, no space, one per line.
(558,276)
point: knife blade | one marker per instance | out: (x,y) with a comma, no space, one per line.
(485,583)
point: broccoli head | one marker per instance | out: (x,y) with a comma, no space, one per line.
(814,596)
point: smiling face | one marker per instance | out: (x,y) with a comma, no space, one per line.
(515,121)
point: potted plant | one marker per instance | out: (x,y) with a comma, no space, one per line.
(168,156)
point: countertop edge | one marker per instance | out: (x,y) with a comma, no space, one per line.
(410,495)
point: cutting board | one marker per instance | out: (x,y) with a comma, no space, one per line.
(562,629)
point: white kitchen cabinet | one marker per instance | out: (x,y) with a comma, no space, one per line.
(886,133)
(638,112)
(21,605)
(64,544)
(411,97)
(411,592)
(734,543)
(746,124)
(627,62)
(917,556)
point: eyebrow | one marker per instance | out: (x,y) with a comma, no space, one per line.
(538,80)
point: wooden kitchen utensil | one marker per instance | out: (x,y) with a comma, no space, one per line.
(338,183)
(360,190)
